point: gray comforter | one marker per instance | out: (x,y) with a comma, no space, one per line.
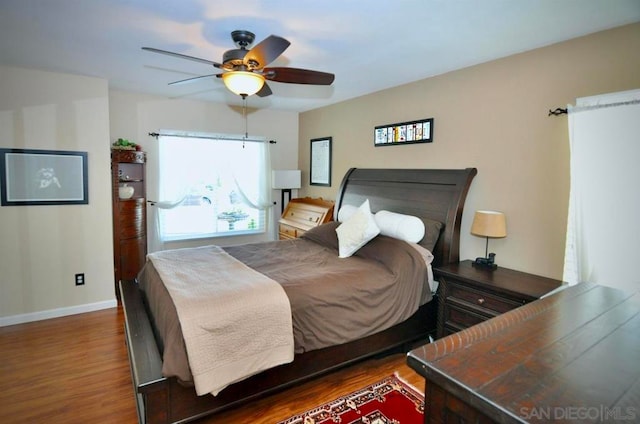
(333,300)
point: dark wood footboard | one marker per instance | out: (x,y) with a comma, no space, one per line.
(149,386)
(163,400)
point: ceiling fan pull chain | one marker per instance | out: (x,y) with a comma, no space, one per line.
(244,115)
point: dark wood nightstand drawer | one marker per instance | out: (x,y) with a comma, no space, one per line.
(470,295)
(461,318)
(481,299)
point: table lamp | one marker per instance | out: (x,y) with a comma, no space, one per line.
(488,224)
(286,180)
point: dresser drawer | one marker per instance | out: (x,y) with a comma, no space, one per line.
(481,299)
(287,231)
(303,215)
(132,257)
(131,219)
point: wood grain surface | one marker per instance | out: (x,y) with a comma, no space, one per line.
(75,370)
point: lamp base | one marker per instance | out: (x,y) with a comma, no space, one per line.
(282,204)
(488,263)
(484,265)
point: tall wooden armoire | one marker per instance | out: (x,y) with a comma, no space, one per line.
(129,214)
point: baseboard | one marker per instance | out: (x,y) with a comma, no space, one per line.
(55,313)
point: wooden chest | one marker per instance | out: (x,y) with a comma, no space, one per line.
(303,214)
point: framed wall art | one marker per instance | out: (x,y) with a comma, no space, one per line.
(411,132)
(43,177)
(320,163)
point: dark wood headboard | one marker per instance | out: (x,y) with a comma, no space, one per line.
(437,194)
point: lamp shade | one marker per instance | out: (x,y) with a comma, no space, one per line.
(286,179)
(489,224)
(243,83)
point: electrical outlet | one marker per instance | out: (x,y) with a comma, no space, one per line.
(79,279)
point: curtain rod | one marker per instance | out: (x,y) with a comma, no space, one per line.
(557,111)
(209,137)
(561,111)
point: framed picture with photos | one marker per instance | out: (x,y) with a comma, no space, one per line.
(411,132)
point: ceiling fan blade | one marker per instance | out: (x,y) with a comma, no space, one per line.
(266,52)
(264,91)
(182,56)
(298,76)
(193,79)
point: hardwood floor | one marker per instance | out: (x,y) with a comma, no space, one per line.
(66,370)
(75,370)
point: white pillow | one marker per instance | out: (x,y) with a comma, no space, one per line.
(356,231)
(404,227)
(345,212)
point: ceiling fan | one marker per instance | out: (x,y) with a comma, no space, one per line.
(244,70)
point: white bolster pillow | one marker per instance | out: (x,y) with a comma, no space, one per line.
(404,227)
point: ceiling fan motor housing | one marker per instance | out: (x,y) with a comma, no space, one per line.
(231,59)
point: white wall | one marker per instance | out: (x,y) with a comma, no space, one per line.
(43,247)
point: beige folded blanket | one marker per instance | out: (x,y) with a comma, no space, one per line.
(235,321)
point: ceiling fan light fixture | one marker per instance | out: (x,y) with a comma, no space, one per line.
(243,69)
(243,83)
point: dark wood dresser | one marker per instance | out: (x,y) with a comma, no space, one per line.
(470,295)
(570,357)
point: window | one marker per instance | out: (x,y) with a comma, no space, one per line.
(211,186)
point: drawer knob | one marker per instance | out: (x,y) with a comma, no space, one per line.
(480,301)
(310,219)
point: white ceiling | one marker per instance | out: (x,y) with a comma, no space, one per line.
(369,45)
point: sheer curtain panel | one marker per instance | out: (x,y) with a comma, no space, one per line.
(603,229)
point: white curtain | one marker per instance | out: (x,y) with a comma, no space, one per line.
(259,198)
(603,229)
(155,241)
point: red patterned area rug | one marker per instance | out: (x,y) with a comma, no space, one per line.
(389,401)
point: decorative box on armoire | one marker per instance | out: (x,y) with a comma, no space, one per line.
(129,214)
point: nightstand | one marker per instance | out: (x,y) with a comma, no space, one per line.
(469,295)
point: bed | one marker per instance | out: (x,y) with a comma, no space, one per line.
(431,195)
